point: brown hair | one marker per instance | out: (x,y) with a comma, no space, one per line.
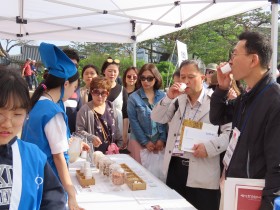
(125,73)
(100,82)
(154,70)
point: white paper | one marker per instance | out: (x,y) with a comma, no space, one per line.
(210,127)
(193,136)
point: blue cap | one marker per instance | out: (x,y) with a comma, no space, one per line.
(56,61)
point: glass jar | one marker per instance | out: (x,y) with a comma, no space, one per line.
(96,157)
(106,167)
(101,164)
(118,176)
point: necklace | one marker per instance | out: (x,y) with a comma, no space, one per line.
(105,135)
(49,96)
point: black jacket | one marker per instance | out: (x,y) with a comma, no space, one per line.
(257,115)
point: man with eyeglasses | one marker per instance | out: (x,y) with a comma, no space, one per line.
(254,115)
(193,172)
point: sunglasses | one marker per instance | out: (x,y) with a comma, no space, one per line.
(149,79)
(210,71)
(98,93)
(110,60)
(134,77)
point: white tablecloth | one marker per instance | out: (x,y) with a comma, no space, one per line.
(103,196)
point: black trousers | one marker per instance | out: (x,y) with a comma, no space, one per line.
(29,81)
(202,199)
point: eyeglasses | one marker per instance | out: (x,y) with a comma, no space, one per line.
(233,55)
(98,93)
(134,77)
(149,79)
(15,120)
(210,71)
(110,60)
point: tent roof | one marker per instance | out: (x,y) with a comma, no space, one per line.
(117,21)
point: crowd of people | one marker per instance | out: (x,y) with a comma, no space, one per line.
(138,116)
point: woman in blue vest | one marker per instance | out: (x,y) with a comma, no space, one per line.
(47,123)
(27,180)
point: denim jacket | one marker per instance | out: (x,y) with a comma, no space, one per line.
(139,114)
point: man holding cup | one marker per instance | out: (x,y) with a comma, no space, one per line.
(254,115)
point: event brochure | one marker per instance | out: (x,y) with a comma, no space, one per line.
(196,132)
(243,194)
(248,197)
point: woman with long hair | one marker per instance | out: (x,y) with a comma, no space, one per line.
(118,95)
(145,133)
(129,79)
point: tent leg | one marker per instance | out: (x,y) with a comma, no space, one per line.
(134,46)
(274,37)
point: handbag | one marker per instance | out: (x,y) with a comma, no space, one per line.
(112,149)
(153,162)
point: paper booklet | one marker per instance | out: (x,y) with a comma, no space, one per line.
(193,132)
(243,194)
(248,197)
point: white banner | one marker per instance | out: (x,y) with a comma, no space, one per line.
(182,52)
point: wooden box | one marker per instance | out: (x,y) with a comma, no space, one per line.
(84,182)
(133,181)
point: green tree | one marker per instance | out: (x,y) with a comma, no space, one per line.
(212,41)
(166,70)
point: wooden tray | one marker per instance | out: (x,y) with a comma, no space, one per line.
(133,181)
(84,182)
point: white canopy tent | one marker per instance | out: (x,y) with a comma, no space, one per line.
(118,21)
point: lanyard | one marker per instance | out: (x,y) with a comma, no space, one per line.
(184,114)
(251,107)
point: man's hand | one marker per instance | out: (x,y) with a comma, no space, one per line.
(173,91)
(199,151)
(224,80)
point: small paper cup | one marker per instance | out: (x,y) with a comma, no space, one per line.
(226,68)
(182,88)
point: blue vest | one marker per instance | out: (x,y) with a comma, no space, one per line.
(28,176)
(33,129)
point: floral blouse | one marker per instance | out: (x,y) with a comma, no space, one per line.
(104,127)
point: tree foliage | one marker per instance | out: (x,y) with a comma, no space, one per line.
(213,41)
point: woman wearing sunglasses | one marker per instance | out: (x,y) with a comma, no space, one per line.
(118,96)
(145,133)
(97,119)
(129,79)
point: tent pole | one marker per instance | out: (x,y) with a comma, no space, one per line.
(274,36)
(134,46)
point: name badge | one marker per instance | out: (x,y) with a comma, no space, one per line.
(231,147)
(176,149)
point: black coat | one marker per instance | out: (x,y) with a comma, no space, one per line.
(257,115)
